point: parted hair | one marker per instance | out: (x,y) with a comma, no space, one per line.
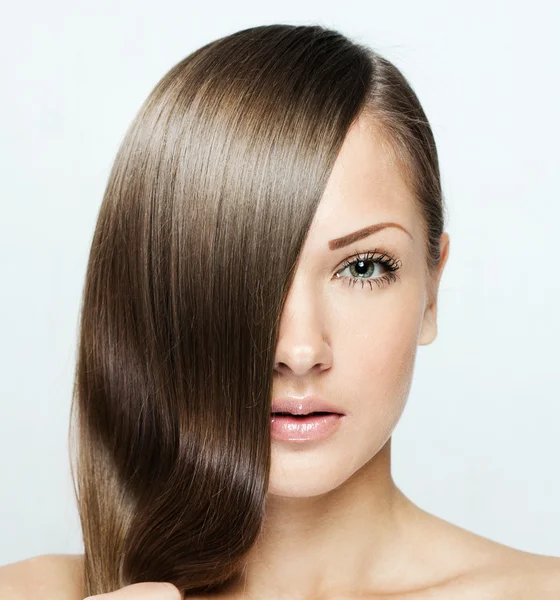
(203,218)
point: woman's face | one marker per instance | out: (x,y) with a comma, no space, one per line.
(353,344)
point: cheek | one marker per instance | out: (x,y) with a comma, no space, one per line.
(378,367)
(378,349)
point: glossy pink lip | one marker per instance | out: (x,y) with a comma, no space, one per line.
(304,429)
(303,406)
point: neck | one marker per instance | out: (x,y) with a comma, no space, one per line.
(346,539)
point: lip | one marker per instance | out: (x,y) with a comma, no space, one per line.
(303,405)
(304,429)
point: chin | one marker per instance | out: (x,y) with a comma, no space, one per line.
(305,475)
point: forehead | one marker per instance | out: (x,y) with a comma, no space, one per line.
(365,187)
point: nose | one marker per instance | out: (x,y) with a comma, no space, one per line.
(303,341)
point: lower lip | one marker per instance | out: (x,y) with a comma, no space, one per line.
(304,429)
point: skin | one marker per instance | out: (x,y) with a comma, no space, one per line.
(354,346)
(144,591)
(335,518)
(337,527)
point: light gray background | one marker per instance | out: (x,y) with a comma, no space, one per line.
(478,442)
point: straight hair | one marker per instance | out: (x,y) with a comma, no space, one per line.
(204,215)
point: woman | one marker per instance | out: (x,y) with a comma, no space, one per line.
(271,241)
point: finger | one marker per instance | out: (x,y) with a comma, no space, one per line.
(149,590)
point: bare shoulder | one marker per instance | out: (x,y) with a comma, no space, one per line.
(515,576)
(508,573)
(466,565)
(526,576)
(48,576)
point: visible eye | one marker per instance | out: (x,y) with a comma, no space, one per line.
(365,265)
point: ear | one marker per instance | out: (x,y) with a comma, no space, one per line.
(428,331)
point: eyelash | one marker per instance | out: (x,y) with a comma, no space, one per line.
(389,262)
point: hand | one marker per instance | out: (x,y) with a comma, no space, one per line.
(143,591)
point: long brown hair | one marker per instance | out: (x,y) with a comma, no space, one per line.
(204,215)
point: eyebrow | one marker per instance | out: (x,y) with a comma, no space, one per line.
(362,233)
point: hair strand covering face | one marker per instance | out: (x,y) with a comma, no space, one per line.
(204,215)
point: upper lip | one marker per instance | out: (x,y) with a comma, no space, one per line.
(303,406)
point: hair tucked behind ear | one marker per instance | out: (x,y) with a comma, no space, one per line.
(206,209)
